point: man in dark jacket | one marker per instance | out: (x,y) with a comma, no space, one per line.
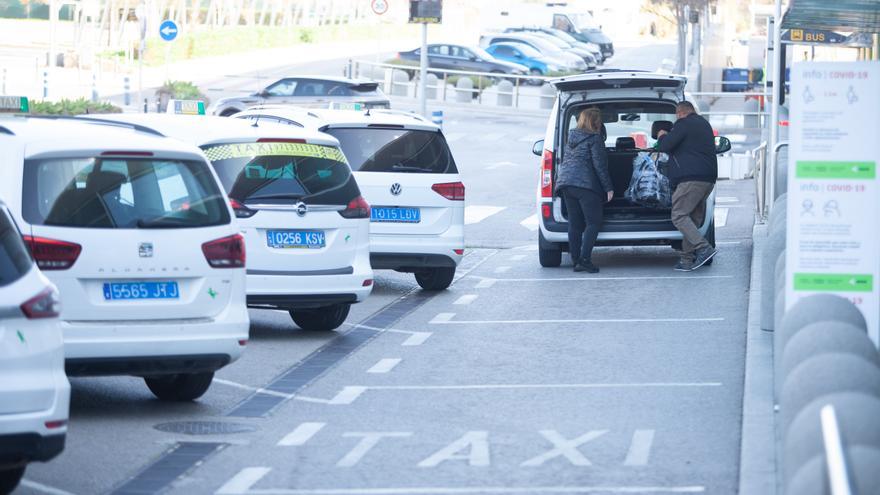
(692,171)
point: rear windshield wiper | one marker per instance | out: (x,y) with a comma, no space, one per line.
(164,223)
(295,197)
(406,168)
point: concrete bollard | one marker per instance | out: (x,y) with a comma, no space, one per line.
(127,90)
(780,175)
(812,477)
(822,375)
(505,93)
(45,84)
(431,86)
(824,337)
(779,290)
(778,213)
(464,90)
(548,96)
(773,245)
(857,416)
(399,83)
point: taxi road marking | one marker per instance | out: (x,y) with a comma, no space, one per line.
(368,440)
(39,487)
(563,447)
(477,213)
(384,365)
(531,223)
(301,434)
(640,448)
(465,299)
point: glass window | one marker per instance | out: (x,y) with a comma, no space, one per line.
(503,51)
(284,87)
(15,259)
(122,194)
(528,51)
(284,173)
(395,150)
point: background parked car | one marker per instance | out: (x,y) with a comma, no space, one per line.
(548,49)
(307,91)
(593,48)
(538,64)
(465,58)
(582,27)
(567,47)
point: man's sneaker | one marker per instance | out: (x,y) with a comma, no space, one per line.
(704,255)
(684,265)
(586,267)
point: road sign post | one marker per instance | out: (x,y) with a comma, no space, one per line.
(168,31)
(141,14)
(424,12)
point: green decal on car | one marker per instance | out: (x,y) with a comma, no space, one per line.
(347,237)
(246,150)
(20,336)
(212,292)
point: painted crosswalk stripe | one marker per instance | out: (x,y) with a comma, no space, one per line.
(531,222)
(477,213)
(301,434)
(384,365)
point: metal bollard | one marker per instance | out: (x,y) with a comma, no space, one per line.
(94,88)
(824,337)
(127,90)
(812,478)
(773,245)
(45,84)
(437,117)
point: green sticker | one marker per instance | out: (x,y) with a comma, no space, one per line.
(836,170)
(347,237)
(20,336)
(248,150)
(212,293)
(833,282)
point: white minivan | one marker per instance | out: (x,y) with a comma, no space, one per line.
(136,233)
(408,175)
(299,208)
(634,105)
(34,392)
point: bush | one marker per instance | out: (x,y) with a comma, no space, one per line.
(402,63)
(79,106)
(307,35)
(181,90)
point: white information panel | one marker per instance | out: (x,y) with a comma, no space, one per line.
(833,243)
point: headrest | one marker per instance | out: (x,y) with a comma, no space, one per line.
(103,182)
(625,143)
(660,125)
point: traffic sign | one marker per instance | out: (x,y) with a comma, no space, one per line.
(425,11)
(812,36)
(168,30)
(379,6)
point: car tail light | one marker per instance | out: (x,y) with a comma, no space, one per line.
(44,305)
(242,342)
(52,254)
(367,283)
(357,208)
(227,252)
(546,210)
(58,423)
(241,211)
(547,174)
(458,251)
(453,191)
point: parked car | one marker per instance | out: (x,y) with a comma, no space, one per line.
(587,55)
(593,48)
(309,91)
(464,58)
(34,391)
(306,225)
(625,98)
(582,27)
(538,64)
(135,231)
(571,61)
(408,174)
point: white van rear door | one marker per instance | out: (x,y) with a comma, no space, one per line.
(612,83)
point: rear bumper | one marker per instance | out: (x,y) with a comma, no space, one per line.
(146,365)
(310,301)
(306,291)
(22,448)
(409,252)
(406,262)
(24,437)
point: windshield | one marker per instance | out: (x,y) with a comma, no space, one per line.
(395,150)
(554,40)
(564,36)
(122,193)
(283,173)
(15,259)
(527,50)
(583,21)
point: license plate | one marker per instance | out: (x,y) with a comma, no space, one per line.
(125,291)
(296,239)
(395,214)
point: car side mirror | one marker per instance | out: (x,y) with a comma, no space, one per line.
(722,145)
(262,93)
(538,147)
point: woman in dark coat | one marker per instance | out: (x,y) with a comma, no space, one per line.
(585,185)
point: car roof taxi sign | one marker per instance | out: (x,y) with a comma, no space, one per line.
(186,107)
(14,104)
(343,105)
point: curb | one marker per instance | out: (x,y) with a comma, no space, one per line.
(757,465)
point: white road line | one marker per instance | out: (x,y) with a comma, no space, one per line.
(242,386)
(301,434)
(492,136)
(442,317)
(485,283)
(496,165)
(606,279)
(518,257)
(33,485)
(454,136)
(345,397)
(726,199)
(477,213)
(490,490)
(384,365)
(242,482)
(533,386)
(721,215)
(465,299)
(502,269)
(728,243)
(417,338)
(368,440)
(531,222)
(640,448)
(610,320)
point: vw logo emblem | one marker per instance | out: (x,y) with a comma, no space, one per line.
(396,189)
(145,250)
(302,209)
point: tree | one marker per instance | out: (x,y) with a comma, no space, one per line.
(12,9)
(679,9)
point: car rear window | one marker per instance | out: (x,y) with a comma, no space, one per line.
(283,173)
(15,259)
(375,149)
(122,193)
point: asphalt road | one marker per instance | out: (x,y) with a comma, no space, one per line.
(518,379)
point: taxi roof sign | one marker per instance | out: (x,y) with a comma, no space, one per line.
(14,104)
(186,107)
(341,105)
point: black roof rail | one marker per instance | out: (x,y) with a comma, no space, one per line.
(93,120)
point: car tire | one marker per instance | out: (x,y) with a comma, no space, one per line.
(9,479)
(547,255)
(435,278)
(323,319)
(181,387)
(229,112)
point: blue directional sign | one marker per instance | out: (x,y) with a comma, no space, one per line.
(168,30)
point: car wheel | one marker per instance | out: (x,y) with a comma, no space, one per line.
(321,319)
(547,255)
(9,479)
(181,387)
(229,112)
(435,278)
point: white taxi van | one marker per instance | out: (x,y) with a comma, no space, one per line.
(136,233)
(34,392)
(299,206)
(408,175)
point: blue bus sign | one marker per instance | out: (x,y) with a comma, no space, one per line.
(812,37)
(168,30)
